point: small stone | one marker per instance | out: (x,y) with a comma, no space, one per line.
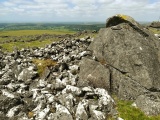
(72,89)
(81,113)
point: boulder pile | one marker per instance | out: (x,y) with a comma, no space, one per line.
(25,95)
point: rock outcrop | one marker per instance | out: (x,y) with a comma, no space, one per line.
(129,55)
(123,59)
(155,24)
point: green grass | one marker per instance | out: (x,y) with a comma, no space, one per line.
(34,32)
(154,30)
(9,46)
(19,45)
(128,112)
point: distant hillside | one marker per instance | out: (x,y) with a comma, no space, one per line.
(51,26)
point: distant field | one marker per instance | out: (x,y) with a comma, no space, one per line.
(19,38)
(34,32)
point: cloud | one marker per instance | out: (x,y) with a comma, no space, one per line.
(77,10)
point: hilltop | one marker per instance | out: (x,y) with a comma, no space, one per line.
(83,76)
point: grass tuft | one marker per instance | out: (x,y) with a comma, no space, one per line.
(42,64)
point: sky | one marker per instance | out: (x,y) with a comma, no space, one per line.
(77,10)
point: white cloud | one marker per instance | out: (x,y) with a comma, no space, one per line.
(78,10)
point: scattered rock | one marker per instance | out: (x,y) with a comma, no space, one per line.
(53,95)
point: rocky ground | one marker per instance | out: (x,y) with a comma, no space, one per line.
(24,95)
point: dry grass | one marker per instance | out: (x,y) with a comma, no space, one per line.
(30,114)
(154,30)
(42,64)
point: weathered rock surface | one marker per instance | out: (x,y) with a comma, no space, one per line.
(93,73)
(131,55)
(149,103)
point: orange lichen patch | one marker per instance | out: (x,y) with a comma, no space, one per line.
(125,17)
(103,61)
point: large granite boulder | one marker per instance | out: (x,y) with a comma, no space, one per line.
(131,54)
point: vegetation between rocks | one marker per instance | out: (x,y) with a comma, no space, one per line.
(129,112)
(42,64)
(155,30)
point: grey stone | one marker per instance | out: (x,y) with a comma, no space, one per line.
(61,114)
(105,101)
(55,95)
(132,54)
(97,115)
(155,24)
(58,85)
(72,89)
(74,69)
(68,101)
(8,103)
(27,73)
(93,73)
(46,73)
(149,103)
(81,112)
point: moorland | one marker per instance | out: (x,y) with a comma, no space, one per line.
(26,35)
(23,35)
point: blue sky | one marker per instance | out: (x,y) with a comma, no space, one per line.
(76,10)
